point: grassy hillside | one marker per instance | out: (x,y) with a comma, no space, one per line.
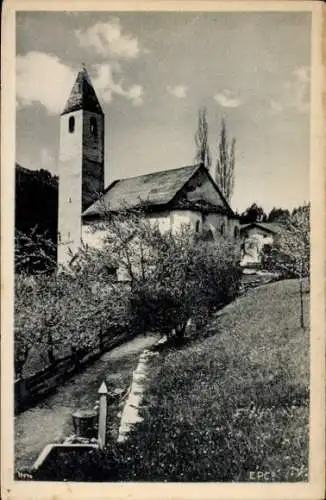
(234,404)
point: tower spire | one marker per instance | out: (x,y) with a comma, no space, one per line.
(82,95)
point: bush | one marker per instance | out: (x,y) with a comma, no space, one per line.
(65,314)
(190,278)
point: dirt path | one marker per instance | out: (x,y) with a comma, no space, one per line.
(51,420)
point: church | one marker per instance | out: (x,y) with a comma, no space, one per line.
(185,195)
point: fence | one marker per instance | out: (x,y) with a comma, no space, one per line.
(31,389)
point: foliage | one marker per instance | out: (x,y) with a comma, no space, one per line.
(203,155)
(36,214)
(279,215)
(290,254)
(27,334)
(169,278)
(67,312)
(225,164)
(173,275)
(34,252)
(254,213)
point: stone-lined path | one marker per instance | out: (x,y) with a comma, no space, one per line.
(50,421)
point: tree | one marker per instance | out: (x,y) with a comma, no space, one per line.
(26,332)
(67,313)
(280,215)
(36,212)
(224,174)
(173,276)
(203,155)
(290,255)
(34,252)
(254,213)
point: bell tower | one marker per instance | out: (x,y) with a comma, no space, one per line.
(81,162)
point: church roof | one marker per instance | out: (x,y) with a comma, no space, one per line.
(82,95)
(156,189)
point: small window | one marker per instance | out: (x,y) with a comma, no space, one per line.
(236,232)
(197,226)
(93,126)
(208,235)
(222,228)
(71,124)
(69,201)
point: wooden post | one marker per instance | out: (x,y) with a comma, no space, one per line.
(103,393)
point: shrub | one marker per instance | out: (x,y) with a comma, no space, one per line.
(65,313)
(190,278)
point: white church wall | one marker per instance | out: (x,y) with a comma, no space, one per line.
(175,219)
(216,220)
(186,217)
(163,220)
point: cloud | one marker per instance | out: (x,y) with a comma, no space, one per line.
(178,91)
(227,99)
(107,87)
(107,40)
(43,78)
(294,94)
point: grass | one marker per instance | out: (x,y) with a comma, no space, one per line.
(230,405)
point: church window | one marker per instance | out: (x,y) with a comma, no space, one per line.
(236,232)
(93,126)
(208,235)
(222,228)
(197,226)
(69,201)
(71,124)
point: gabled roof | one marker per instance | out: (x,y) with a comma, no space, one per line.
(155,189)
(82,95)
(270,227)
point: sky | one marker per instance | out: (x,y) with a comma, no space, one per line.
(153,71)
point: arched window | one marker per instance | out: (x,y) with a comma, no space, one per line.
(71,124)
(222,228)
(236,232)
(208,236)
(93,126)
(197,226)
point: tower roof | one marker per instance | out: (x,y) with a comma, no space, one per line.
(82,95)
